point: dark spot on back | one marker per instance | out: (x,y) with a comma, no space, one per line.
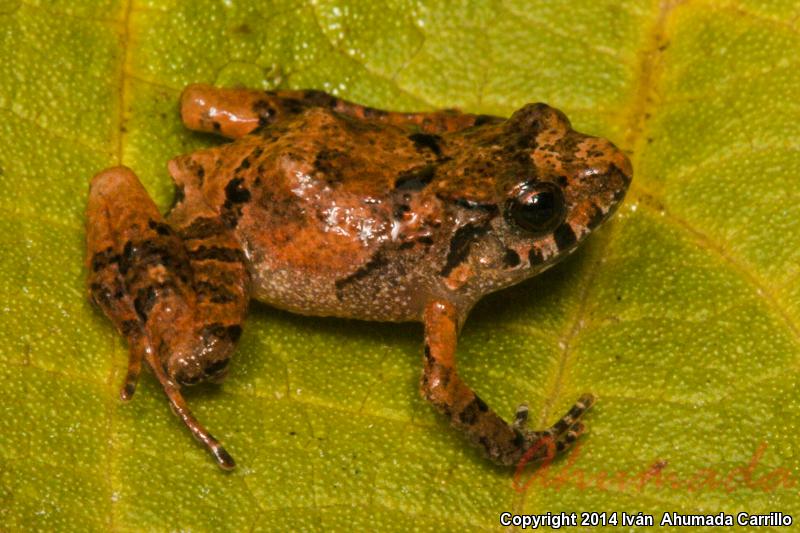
(216,253)
(330,163)
(415,179)
(319,98)
(235,193)
(372,112)
(159,227)
(245,164)
(126,258)
(264,111)
(480,120)
(427,141)
(292,105)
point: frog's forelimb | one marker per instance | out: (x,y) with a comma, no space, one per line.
(234,113)
(503,443)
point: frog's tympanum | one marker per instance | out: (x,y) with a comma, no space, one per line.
(323,207)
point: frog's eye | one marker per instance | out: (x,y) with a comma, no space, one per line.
(537,208)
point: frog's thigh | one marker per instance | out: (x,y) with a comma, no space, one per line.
(443,387)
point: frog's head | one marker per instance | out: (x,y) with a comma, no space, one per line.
(563,185)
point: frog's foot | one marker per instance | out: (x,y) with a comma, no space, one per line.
(556,439)
(503,443)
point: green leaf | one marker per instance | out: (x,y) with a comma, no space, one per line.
(682,315)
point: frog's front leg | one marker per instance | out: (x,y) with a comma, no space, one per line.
(234,113)
(153,284)
(503,443)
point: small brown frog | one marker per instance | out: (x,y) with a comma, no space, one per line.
(324,207)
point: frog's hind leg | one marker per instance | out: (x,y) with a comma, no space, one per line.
(234,113)
(140,276)
(106,284)
(503,443)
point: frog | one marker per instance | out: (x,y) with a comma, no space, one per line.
(323,207)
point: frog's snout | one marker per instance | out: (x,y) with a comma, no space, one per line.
(619,164)
(606,174)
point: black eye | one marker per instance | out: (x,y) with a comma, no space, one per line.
(537,207)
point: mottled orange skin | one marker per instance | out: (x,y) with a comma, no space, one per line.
(324,207)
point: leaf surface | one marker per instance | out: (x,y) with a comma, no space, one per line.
(682,314)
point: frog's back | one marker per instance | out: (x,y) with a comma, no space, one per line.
(313,204)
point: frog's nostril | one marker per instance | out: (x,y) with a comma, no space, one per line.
(216,368)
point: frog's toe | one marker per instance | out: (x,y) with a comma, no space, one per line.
(544,445)
(573,415)
(568,438)
(521,417)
